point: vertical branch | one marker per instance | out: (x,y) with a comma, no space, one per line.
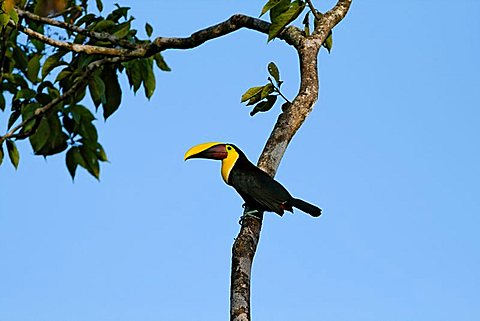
(287,125)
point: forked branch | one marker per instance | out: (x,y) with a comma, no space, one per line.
(287,124)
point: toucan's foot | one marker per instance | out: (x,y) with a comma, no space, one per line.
(249,213)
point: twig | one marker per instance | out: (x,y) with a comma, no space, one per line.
(58,14)
(104,36)
(277,90)
(313,10)
(88,49)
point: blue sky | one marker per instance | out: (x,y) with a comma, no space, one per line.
(390,153)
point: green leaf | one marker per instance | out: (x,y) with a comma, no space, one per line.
(123,30)
(91,161)
(161,62)
(2,102)
(88,131)
(25,93)
(39,139)
(63,74)
(328,42)
(4,19)
(72,159)
(103,25)
(33,67)
(306,23)
(133,73)
(20,58)
(250,93)
(56,141)
(68,124)
(13,118)
(80,113)
(283,19)
(13,153)
(148,29)
(113,92)
(255,99)
(14,15)
(102,156)
(267,90)
(87,19)
(279,8)
(52,62)
(274,72)
(269,5)
(264,106)
(96,87)
(99,7)
(148,77)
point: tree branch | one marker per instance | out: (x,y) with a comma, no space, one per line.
(291,35)
(287,125)
(39,112)
(88,49)
(104,36)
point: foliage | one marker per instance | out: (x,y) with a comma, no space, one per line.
(47,66)
(35,76)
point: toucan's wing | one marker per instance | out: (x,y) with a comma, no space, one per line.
(254,184)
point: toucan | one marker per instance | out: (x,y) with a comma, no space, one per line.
(258,189)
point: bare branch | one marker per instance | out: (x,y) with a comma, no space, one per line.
(67,26)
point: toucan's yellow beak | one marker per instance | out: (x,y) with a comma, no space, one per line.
(207,150)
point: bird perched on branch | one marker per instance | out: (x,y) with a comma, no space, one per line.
(259,191)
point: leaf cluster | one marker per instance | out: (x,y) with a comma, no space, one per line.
(35,80)
(264,97)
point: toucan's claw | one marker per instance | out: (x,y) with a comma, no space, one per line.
(248,213)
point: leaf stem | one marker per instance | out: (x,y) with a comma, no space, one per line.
(277,90)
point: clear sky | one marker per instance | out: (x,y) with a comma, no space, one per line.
(391,153)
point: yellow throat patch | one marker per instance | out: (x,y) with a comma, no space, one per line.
(229,162)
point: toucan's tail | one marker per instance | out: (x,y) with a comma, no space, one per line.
(306,207)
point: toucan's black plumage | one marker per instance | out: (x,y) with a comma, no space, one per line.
(257,188)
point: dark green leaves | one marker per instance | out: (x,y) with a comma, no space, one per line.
(148,29)
(264,105)
(87,156)
(161,64)
(31,80)
(33,66)
(274,72)
(13,153)
(139,72)
(282,13)
(99,5)
(49,139)
(113,92)
(328,42)
(96,86)
(283,19)
(264,97)
(251,93)
(52,62)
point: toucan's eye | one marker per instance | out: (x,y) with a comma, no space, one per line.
(229,148)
